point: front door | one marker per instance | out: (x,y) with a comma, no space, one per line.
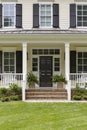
(46,71)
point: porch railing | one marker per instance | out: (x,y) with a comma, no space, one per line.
(6,79)
(78,78)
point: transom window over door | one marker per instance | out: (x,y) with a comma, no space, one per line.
(45,15)
(81,15)
(9,62)
(8,15)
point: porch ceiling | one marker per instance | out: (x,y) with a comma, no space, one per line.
(60,38)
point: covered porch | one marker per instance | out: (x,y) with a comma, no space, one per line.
(61,51)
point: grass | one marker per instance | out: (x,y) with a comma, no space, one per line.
(43,116)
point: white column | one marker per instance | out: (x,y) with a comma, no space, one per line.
(67,61)
(67,69)
(24,47)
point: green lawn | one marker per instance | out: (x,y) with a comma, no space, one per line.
(43,116)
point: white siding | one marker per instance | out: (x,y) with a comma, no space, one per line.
(64,12)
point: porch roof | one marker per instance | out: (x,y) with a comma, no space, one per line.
(43,36)
(35,31)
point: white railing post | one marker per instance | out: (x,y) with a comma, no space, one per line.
(69,90)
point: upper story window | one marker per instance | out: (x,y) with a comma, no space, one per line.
(78,15)
(45,15)
(8,15)
(82,15)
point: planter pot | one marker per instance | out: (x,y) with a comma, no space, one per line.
(32,85)
(60,85)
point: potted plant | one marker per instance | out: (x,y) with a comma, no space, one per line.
(31,80)
(60,80)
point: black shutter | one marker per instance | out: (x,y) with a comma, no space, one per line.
(72,15)
(56,15)
(0,63)
(35,15)
(19,15)
(0,15)
(72,61)
(18,61)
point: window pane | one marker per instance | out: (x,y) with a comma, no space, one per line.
(40,51)
(79,54)
(84,23)
(34,69)
(51,51)
(80,68)
(35,51)
(46,51)
(6,68)
(85,61)
(11,68)
(85,7)
(79,18)
(85,54)
(79,61)
(6,55)
(56,69)
(79,7)
(11,54)
(6,61)
(85,68)
(79,13)
(84,12)
(57,51)
(79,23)
(11,61)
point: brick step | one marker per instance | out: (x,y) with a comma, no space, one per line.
(46,93)
(46,90)
(37,94)
(47,98)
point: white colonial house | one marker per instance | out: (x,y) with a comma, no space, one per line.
(46,37)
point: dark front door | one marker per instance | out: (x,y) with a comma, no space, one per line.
(46,71)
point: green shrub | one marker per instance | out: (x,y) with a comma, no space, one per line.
(3,92)
(14,98)
(77,97)
(5,99)
(14,92)
(85,97)
(15,89)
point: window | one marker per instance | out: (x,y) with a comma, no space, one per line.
(9,62)
(35,64)
(8,15)
(82,62)
(56,64)
(81,15)
(46,51)
(45,15)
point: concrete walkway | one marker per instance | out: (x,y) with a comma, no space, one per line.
(65,101)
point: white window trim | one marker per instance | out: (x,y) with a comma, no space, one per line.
(8,49)
(80,27)
(79,49)
(47,3)
(14,14)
